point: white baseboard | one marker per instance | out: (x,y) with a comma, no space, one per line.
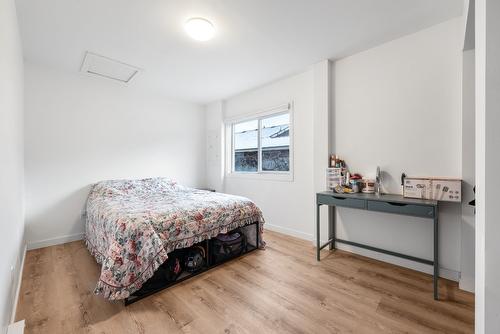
(467,284)
(288,231)
(443,272)
(425,268)
(16,328)
(450,274)
(55,241)
(18,286)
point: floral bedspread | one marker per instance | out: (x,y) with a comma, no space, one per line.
(132,225)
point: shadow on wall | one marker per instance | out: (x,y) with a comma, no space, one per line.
(59,222)
(387,178)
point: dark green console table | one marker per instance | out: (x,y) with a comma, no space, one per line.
(387,203)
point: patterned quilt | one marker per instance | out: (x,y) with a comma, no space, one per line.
(132,225)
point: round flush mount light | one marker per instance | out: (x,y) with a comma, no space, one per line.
(199,29)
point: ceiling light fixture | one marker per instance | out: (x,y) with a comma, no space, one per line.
(200,29)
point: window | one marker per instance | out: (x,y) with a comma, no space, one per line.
(246,146)
(261,145)
(275,143)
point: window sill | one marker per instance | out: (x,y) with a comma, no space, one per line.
(284,177)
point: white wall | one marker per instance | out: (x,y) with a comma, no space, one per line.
(468,172)
(214,114)
(11,159)
(322,136)
(80,129)
(398,106)
(288,206)
(487,43)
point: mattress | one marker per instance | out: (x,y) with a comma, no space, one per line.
(132,225)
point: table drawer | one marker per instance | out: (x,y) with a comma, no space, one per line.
(341,201)
(402,208)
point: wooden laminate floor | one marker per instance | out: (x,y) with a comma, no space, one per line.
(279,290)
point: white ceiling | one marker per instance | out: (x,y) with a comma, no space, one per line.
(257,41)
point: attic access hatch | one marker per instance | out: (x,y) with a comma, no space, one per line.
(108,68)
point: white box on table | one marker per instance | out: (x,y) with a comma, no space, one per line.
(437,188)
(415,187)
(444,189)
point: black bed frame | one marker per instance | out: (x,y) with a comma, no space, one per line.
(208,265)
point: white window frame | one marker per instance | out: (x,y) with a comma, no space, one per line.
(259,174)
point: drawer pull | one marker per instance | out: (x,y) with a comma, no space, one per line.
(397,204)
(341,198)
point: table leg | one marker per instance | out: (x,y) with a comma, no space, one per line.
(317,231)
(331,226)
(436,255)
(257,235)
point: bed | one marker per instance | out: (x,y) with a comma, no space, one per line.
(132,225)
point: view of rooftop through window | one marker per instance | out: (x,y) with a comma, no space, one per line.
(274,142)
